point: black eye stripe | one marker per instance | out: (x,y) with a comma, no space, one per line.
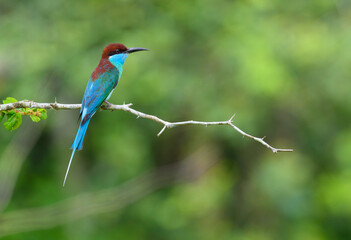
(114,52)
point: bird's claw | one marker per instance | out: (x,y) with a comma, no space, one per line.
(107,103)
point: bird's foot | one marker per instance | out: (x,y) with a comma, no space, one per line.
(107,103)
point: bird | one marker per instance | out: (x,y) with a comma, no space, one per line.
(99,89)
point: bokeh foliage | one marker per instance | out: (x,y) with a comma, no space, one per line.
(282,66)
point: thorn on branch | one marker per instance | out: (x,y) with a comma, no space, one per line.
(127,105)
(231,119)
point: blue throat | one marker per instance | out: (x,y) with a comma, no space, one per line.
(118,60)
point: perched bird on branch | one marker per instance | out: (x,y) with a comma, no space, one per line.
(99,89)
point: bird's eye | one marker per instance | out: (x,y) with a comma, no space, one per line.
(117,51)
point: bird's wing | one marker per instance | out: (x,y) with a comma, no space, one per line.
(97,91)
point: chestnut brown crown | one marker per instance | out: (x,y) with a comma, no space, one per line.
(112,49)
(116,48)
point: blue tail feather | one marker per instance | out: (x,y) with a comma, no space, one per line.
(77,144)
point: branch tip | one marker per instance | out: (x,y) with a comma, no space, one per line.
(164,127)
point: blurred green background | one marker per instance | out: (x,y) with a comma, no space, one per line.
(282,66)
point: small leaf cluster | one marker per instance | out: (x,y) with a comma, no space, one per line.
(14,116)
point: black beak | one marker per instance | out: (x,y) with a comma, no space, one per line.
(131,50)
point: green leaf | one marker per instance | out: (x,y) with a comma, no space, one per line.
(9,100)
(35,118)
(13,121)
(18,122)
(2,115)
(10,113)
(43,113)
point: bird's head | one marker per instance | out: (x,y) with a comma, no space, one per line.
(117,53)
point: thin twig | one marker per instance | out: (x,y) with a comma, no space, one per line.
(127,108)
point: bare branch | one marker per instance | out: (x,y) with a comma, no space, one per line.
(127,108)
(30,104)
